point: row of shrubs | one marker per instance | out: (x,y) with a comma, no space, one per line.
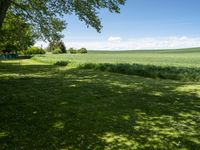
(71,51)
(61,63)
(174,73)
(36,50)
(58,47)
(33,50)
(78,51)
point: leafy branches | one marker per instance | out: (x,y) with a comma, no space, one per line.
(47,16)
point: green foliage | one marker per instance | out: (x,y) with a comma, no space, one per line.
(82,51)
(15,34)
(72,51)
(57,47)
(57,51)
(62,47)
(79,51)
(46,16)
(33,50)
(61,63)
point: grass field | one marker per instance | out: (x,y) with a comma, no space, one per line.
(45,106)
(177,58)
(180,64)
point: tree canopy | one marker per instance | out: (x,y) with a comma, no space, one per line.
(47,16)
(16,34)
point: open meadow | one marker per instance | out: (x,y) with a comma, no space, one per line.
(101,100)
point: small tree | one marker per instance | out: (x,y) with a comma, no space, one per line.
(72,51)
(57,47)
(33,50)
(62,47)
(82,50)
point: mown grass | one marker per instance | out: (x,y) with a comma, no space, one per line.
(45,106)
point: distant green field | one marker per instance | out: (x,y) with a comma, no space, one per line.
(180,64)
(181,57)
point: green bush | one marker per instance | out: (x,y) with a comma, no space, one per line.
(61,63)
(72,51)
(57,51)
(82,50)
(33,50)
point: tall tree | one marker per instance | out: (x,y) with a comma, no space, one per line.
(47,15)
(16,34)
(4,5)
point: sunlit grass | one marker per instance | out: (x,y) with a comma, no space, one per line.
(3,134)
(166,64)
(182,58)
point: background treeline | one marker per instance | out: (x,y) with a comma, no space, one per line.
(18,37)
(58,47)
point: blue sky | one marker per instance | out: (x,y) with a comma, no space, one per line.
(142,24)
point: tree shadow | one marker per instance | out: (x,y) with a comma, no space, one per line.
(83,109)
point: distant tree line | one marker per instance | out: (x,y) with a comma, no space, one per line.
(17,36)
(78,51)
(58,47)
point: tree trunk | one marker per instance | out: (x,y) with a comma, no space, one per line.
(4,5)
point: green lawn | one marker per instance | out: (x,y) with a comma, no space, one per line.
(43,106)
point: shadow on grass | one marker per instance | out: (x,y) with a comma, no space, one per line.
(84,109)
(18,67)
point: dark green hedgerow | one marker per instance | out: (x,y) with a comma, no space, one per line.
(174,73)
(61,63)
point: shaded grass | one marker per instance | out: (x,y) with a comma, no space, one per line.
(43,107)
(174,73)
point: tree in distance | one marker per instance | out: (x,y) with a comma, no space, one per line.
(57,47)
(79,51)
(82,50)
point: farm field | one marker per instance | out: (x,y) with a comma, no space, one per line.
(46,106)
(179,57)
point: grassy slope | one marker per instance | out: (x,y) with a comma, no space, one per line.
(46,107)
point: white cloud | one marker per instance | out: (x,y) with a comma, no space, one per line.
(114,39)
(115,43)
